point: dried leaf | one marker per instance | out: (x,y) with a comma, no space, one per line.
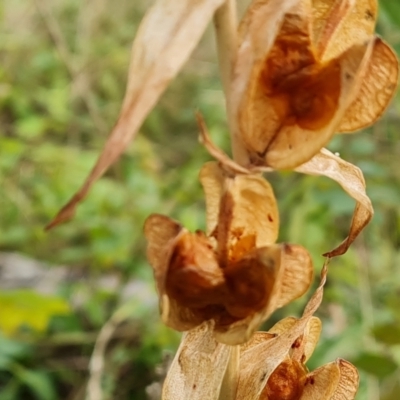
(352,181)
(166,37)
(378,87)
(348,383)
(198,367)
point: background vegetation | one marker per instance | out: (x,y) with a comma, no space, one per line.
(62,76)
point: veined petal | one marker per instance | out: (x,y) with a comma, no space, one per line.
(241,210)
(166,37)
(198,368)
(321,383)
(355,26)
(352,181)
(348,383)
(377,89)
(297,274)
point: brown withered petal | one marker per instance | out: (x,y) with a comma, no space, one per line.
(378,87)
(243,205)
(238,332)
(348,382)
(312,102)
(304,346)
(260,361)
(286,382)
(352,181)
(321,383)
(198,368)
(166,37)
(159,231)
(194,276)
(297,275)
(339,24)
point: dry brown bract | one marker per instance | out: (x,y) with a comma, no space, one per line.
(235,275)
(165,38)
(305,70)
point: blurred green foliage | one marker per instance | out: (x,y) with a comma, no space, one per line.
(62,79)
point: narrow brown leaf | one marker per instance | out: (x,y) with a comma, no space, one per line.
(166,37)
(352,181)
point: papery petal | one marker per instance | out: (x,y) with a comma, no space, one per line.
(194,276)
(166,37)
(378,87)
(304,346)
(348,382)
(198,368)
(321,383)
(347,23)
(258,30)
(238,332)
(352,181)
(160,231)
(298,273)
(303,350)
(242,206)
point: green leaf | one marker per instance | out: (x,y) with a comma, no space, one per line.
(376,364)
(387,333)
(20,308)
(37,381)
(392,10)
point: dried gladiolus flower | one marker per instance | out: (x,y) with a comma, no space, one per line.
(235,275)
(303,71)
(270,366)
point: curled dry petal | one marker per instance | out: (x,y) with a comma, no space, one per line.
(259,362)
(339,24)
(165,39)
(286,288)
(377,89)
(198,368)
(352,181)
(242,206)
(321,383)
(348,382)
